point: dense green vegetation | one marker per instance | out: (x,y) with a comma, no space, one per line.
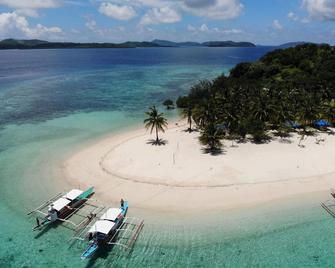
(168,104)
(285,86)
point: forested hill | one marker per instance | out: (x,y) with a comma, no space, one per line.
(309,65)
(290,85)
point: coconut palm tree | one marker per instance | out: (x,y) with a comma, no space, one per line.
(211,137)
(169,104)
(329,110)
(188,113)
(155,121)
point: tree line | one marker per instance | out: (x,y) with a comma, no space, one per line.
(285,89)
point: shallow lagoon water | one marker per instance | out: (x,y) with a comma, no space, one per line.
(56,101)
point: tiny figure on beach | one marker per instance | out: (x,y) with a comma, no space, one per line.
(122,203)
(302,138)
(91,216)
(319,140)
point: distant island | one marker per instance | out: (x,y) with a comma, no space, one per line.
(41,44)
(166,43)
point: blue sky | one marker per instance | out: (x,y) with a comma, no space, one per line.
(260,21)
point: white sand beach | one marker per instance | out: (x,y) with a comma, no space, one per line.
(179,176)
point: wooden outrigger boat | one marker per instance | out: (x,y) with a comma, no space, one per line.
(104,229)
(111,228)
(61,207)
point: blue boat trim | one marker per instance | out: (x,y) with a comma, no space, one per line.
(94,244)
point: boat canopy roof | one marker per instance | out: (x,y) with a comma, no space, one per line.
(73,194)
(102,226)
(60,203)
(111,214)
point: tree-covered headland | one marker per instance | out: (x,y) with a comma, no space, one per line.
(285,89)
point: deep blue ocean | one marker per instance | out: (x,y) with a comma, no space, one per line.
(54,101)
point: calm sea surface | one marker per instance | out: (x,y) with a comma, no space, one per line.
(54,101)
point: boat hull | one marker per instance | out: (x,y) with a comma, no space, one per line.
(64,213)
(94,245)
(90,251)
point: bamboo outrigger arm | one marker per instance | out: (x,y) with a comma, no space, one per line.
(45,204)
(328,208)
(134,232)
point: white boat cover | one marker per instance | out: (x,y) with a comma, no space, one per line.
(111,214)
(103,227)
(73,194)
(60,203)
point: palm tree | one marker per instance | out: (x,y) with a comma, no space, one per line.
(211,137)
(188,113)
(329,110)
(169,104)
(155,121)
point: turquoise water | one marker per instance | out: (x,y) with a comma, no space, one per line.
(56,101)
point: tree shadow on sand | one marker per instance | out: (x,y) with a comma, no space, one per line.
(285,140)
(261,139)
(188,130)
(213,151)
(158,142)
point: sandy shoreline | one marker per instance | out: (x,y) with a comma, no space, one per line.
(179,177)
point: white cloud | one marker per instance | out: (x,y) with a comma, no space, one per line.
(119,12)
(292,16)
(305,20)
(91,24)
(320,9)
(191,28)
(199,3)
(204,28)
(29,7)
(218,9)
(212,9)
(232,31)
(13,23)
(27,12)
(74,31)
(277,26)
(160,15)
(41,30)
(29,4)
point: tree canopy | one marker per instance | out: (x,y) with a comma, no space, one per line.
(168,104)
(284,86)
(155,121)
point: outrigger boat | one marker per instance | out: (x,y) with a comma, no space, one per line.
(60,207)
(104,230)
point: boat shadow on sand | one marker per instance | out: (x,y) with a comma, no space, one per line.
(46,229)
